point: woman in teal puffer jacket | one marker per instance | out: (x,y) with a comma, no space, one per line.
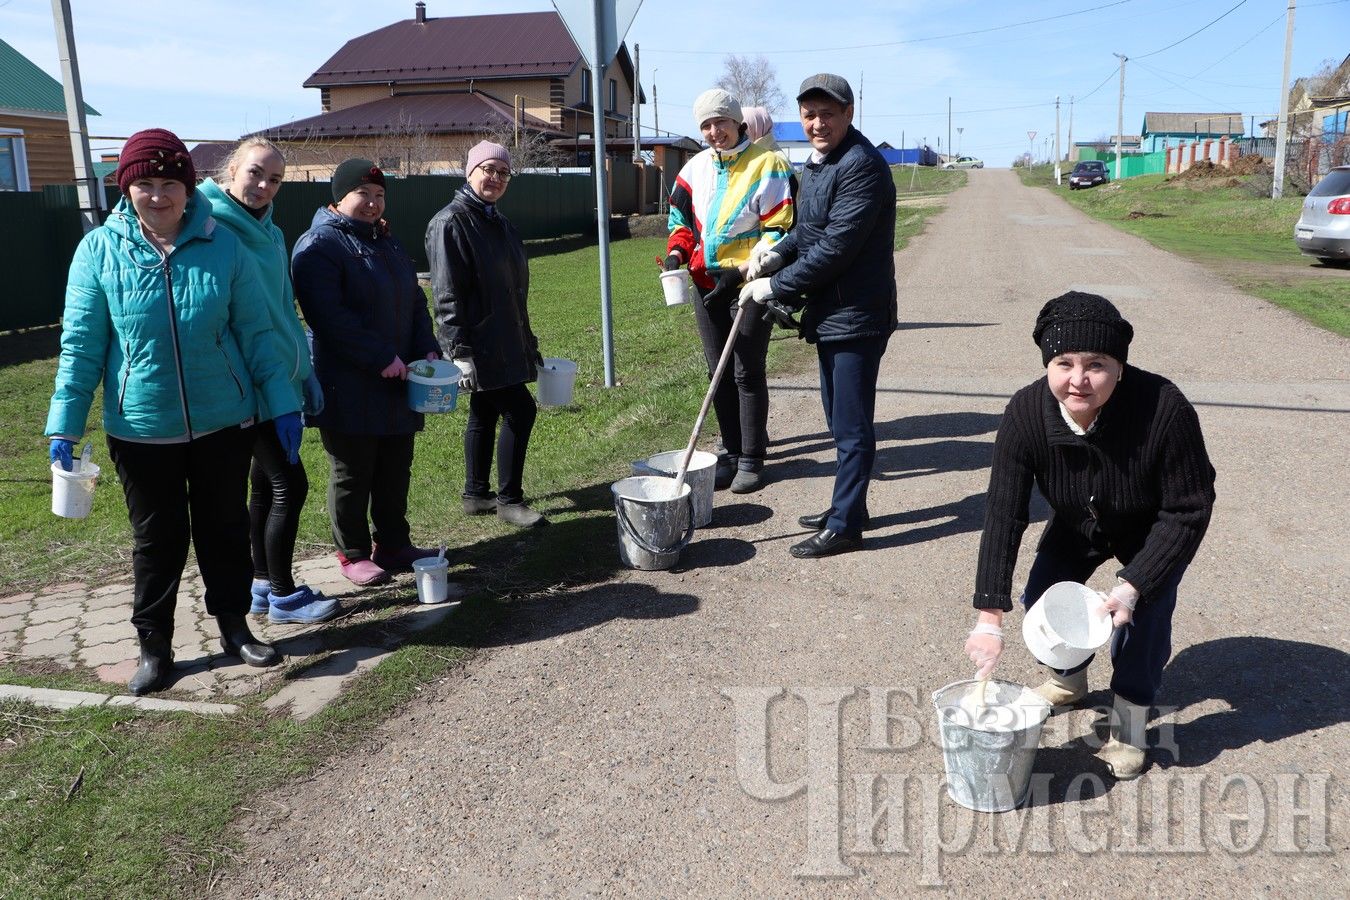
(241,197)
(165,310)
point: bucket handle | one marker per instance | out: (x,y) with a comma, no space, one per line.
(637,538)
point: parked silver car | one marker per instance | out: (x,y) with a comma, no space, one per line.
(964,162)
(1323,230)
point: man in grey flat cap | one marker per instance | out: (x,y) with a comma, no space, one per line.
(837,266)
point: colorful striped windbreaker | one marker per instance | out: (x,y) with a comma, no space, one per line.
(723,202)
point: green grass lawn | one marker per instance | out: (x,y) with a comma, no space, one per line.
(920,192)
(1229,225)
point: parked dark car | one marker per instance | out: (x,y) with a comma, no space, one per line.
(1087,174)
(1323,229)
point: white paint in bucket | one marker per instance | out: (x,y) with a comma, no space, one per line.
(1065,626)
(432,575)
(676,286)
(73,492)
(989,757)
(654,526)
(700,477)
(556,380)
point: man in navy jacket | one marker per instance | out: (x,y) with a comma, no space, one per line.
(837,266)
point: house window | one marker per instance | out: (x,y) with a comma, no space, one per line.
(13,161)
(586,86)
(391,163)
(613,95)
(325,100)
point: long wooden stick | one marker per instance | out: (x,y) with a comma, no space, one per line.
(707,400)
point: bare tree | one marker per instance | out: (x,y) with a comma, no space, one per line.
(405,149)
(752,81)
(533,152)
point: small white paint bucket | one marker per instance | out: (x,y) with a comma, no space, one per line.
(73,492)
(556,380)
(675,284)
(1065,626)
(433,582)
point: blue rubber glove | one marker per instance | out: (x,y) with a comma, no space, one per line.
(289,431)
(313,391)
(63,451)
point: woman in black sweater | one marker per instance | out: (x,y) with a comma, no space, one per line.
(1118,454)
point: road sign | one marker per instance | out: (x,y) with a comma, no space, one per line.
(1031,135)
(614,18)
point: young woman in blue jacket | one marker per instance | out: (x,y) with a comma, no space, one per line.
(358,289)
(241,196)
(166,311)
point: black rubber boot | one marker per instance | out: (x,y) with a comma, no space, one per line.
(156,661)
(237,640)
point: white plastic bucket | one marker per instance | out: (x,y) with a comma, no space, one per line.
(988,758)
(700,477)
(434,393)
(676,286)
(556,379)
(432,576)
(1065,626)
(73,492)
(654,523)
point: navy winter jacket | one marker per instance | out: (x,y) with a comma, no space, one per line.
(840,254)
(358,289)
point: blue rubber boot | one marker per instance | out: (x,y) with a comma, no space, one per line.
(304,607)
(261,588)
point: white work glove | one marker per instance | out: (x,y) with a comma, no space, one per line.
(468,375)
(756,291)
(1120,603)
(764,260)
(984,647)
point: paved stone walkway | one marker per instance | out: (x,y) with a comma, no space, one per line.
(75,626)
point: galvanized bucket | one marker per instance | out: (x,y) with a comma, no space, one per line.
(654,526)
(700,477)
(989,770)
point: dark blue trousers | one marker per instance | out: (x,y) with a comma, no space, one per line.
(848,391)
(1139,650)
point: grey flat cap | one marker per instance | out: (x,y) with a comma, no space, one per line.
(834,85)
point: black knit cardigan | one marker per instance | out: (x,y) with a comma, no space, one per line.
(1140,487)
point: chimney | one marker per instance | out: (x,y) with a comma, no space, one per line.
(421,11)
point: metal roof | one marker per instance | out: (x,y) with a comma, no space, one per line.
(1190,123)
(511,45)
(25,86)
(441,112)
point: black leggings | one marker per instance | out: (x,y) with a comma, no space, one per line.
(514,406)
(279,491)
(742,399)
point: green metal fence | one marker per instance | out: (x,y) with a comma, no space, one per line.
(1132,164)
(39,231)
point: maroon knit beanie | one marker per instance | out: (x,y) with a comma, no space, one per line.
(155,153)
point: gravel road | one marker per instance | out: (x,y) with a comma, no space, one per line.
(730,729)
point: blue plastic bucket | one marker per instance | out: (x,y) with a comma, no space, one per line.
(434,393)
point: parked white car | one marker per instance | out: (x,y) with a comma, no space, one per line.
(964,162)
(1323,229)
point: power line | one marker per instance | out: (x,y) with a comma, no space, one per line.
(1189,36)
(1098,87)
(919,40)
(1178,86)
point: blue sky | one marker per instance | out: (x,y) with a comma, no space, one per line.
(210,70)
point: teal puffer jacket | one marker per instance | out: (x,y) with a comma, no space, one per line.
(265,244)
(183,345)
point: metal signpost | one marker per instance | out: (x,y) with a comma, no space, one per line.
(598,27)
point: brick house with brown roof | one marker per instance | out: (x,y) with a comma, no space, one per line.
(415,95)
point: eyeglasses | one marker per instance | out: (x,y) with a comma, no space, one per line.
(499,174)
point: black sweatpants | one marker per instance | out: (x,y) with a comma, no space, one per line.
(742,398)
(514,405)
(179,492)
(277,496)
(368,473)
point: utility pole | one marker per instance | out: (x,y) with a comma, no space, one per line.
(87,185)
(1282,130)
(1068,142)
(1120,113)
(1057,155)
(861,73)
(949,124)
(656,106)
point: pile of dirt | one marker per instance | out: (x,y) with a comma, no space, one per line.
(1203,169)
(1255,164)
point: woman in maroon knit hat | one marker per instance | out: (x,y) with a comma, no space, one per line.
(1118,454)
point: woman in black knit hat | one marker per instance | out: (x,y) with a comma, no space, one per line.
(1118,454)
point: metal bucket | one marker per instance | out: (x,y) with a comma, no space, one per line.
(653,525)
(700,477)
(989,770)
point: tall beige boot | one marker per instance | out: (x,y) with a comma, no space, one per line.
(1124,752)
(1064,690)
